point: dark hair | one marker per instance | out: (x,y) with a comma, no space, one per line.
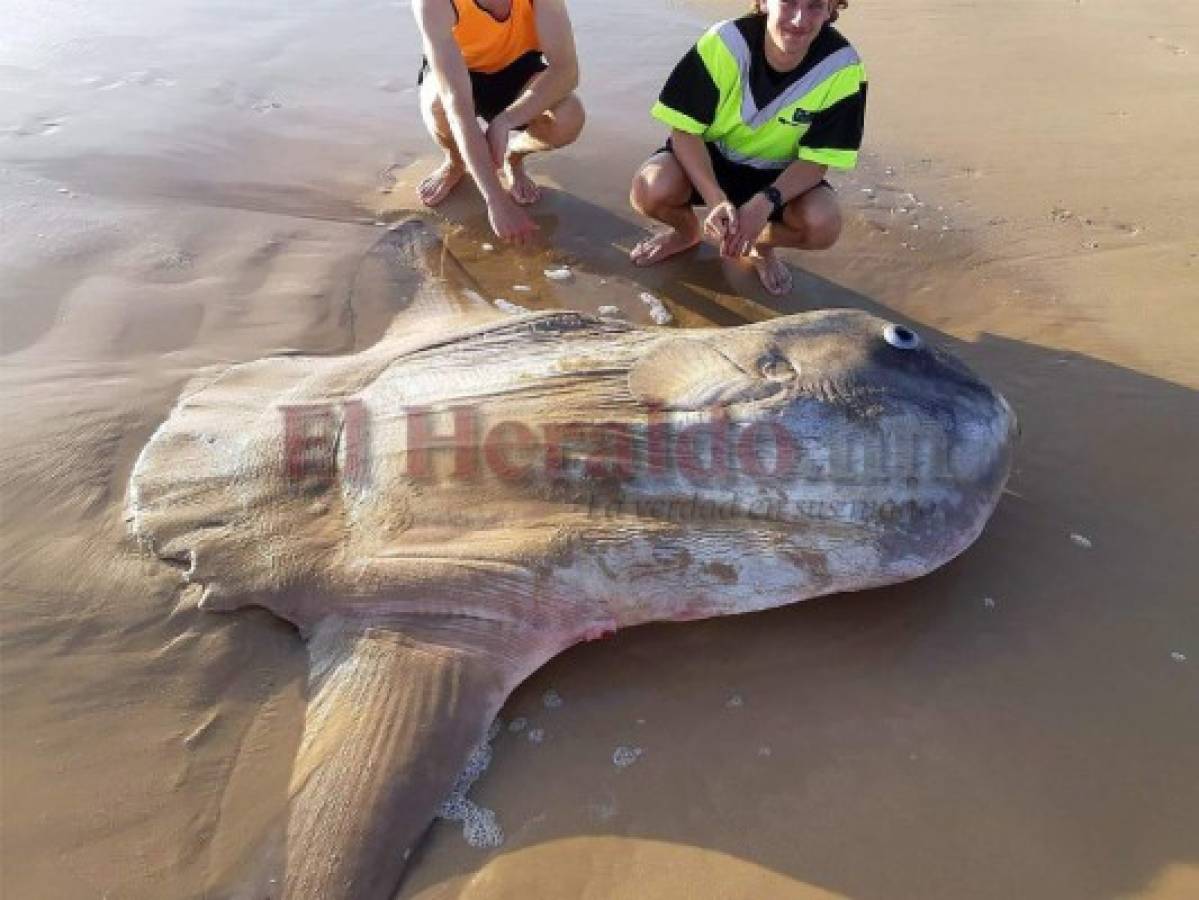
(758,6)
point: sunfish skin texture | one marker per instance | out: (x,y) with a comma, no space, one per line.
(495,489)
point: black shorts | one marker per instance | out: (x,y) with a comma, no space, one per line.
(494,92)
(739,182)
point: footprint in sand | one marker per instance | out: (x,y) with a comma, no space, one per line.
(396,85)
(230,93)
(35,127)
(1061,215)
(390,179)
(1166,45)
(143,78)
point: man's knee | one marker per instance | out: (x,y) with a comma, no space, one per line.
(649,189)
(561,125)
(816,218)
(571,117)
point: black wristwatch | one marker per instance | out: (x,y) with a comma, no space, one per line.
(775,197)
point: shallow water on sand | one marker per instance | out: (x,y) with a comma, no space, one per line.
(189,185)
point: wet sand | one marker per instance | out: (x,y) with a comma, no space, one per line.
(197,185)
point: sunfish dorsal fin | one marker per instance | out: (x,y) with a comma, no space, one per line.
(413,266)
(391,721)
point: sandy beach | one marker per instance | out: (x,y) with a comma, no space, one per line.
(192,185)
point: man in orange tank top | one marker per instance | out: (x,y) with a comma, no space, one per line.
(511,63)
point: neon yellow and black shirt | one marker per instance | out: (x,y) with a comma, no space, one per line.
(725,91)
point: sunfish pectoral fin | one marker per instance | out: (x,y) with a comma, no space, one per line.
(682,373)
(391,721)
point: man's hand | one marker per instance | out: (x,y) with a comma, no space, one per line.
(721,225)
(497,139)
(509,221)
(751,221)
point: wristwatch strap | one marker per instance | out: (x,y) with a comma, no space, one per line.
(775,197)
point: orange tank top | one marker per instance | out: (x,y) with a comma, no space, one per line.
(488,45)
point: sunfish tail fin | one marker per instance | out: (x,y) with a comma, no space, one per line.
(391,722)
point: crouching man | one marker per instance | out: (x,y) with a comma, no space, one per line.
(512,64)
(759,109)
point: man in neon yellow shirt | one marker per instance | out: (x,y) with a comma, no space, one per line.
(759,109)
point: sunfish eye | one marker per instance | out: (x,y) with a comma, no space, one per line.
(901,337)
(776,368)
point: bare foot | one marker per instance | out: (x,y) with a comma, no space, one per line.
(524,190)
(663,245)
(772,271)
(437,186)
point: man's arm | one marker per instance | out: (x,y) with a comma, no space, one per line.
(799,178)
(721,222)
(436,21)
(545,89)
(693,156)
(561,75)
